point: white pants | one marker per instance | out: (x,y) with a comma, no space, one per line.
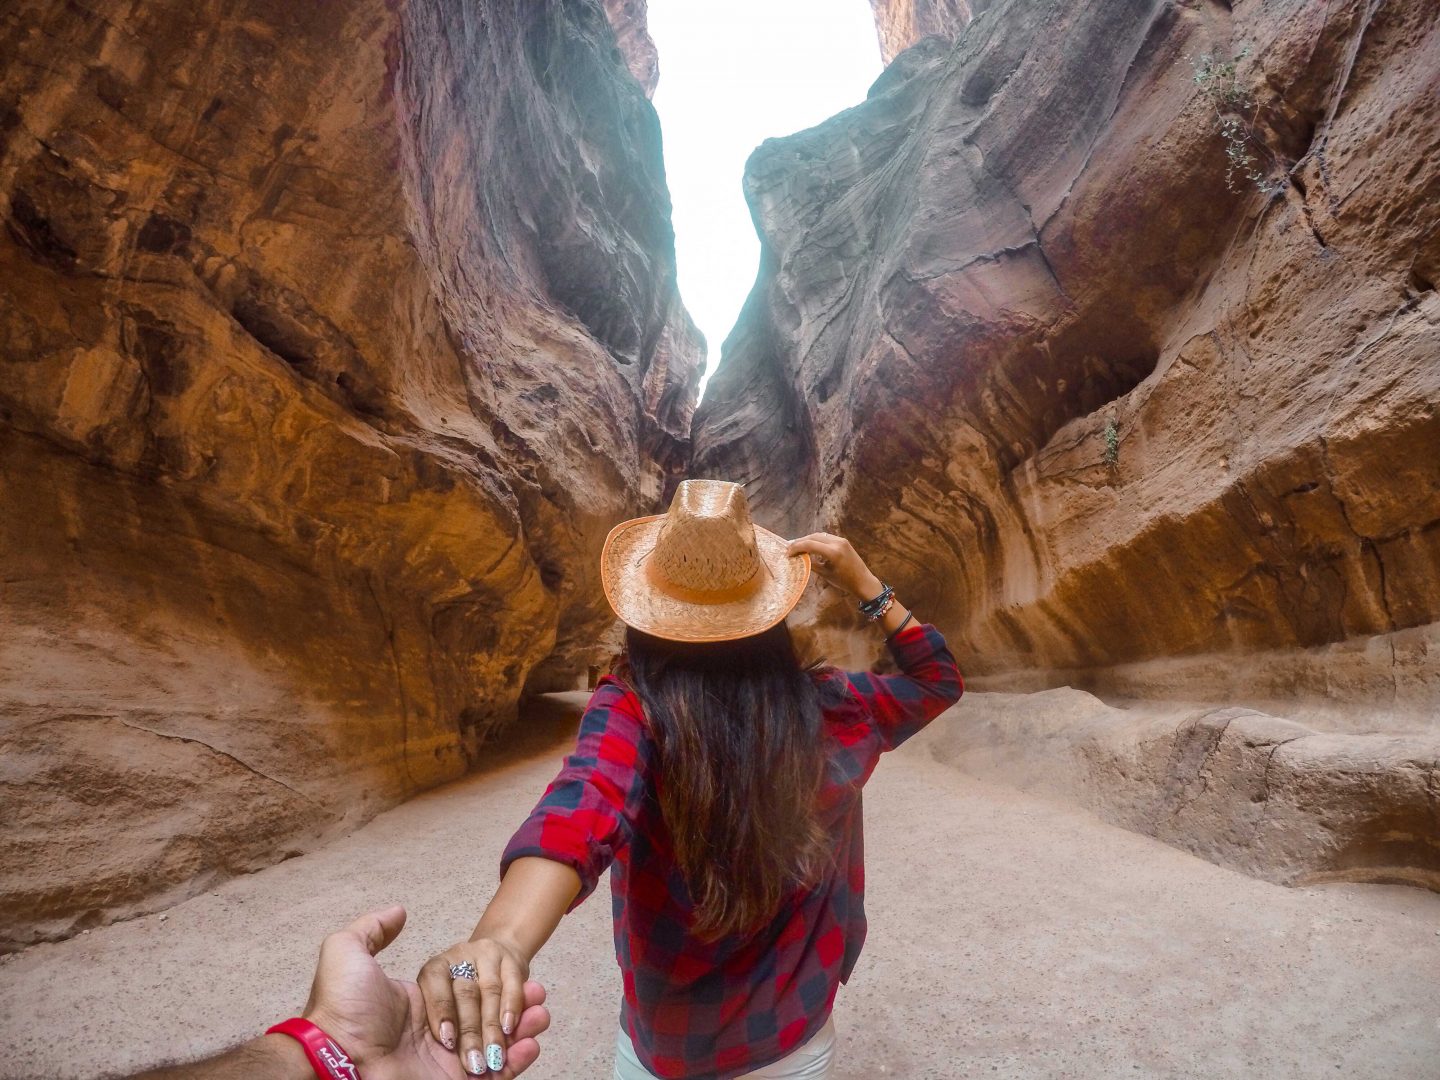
(813,1060)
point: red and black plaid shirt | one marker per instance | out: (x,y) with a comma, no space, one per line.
(720,1009)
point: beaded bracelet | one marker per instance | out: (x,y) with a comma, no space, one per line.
(874,609)
(878,599)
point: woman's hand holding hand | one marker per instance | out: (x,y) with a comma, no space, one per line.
(477,1017)
(838,563)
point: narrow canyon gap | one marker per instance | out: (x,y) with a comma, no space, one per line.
(1120,422)
(336,337)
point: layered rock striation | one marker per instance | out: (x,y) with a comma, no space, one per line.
(632,35)
(334,338)
(1121,421)
(1109,333)
(902,23)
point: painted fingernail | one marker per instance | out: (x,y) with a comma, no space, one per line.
(476,1066)
(495,1057)
(447,1034)
(507,1023)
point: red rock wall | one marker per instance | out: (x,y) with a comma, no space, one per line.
(1106,420)
(902,23)
(632,34)
(334,337)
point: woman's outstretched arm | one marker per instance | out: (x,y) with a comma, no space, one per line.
(526,909)
(551,864)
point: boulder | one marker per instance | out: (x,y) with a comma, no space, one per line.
(1258,793)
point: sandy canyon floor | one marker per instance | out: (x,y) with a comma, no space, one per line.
(1009,936)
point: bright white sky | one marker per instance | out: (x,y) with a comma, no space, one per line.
(732,74)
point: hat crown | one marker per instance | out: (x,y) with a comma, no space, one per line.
(707,543)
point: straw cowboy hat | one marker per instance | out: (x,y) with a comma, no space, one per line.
(701,571)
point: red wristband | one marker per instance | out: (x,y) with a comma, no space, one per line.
(326,1057)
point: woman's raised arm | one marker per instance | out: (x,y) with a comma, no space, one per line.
(929,680)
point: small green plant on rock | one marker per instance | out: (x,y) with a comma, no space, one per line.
(1232,102)
(1112,444)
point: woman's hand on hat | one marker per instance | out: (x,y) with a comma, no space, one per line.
(837,563)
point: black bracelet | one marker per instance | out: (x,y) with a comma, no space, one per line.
(903,623)
(871,609)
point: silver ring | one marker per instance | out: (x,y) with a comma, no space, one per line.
(464,970)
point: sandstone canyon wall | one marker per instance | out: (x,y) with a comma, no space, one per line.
(334,337)
(902,23)
(1110,333)
(1120,423)
(632,36)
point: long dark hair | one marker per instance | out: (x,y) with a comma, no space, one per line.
(738,729)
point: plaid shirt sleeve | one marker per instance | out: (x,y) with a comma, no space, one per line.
(928,683)
(587,813)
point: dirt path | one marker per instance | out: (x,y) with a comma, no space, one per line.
(1009,937)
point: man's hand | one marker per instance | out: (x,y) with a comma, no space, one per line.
(380,1021)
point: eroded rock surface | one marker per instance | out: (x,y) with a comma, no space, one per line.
(1259,793)
(1089,406)
(902,23)
(632,34)
(334,338)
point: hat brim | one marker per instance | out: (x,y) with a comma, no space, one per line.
(638,603)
